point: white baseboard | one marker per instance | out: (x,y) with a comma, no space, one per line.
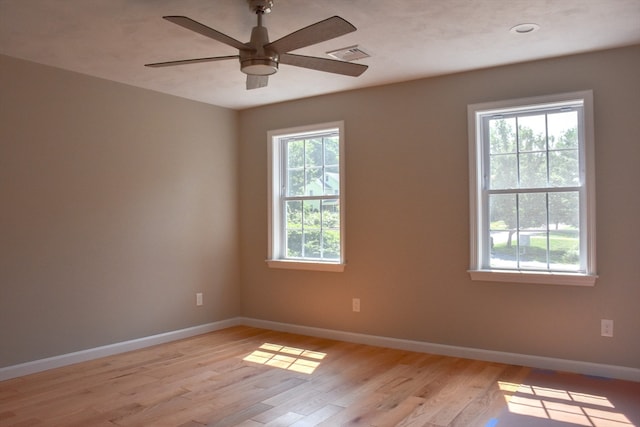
(111,349)
(587,368)
(580,367)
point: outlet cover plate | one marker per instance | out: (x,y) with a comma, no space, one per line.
(606,328)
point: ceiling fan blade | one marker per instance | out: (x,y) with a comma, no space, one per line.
(315,33)
(256,82)
(190,61)
(192,25)
(322,64)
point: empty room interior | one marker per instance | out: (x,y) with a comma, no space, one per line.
(161,265)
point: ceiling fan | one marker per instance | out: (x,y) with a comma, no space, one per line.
(260,58)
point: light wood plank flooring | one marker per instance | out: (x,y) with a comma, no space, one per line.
(244,376)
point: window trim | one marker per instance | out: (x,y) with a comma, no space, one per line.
(275,258)
(475,112)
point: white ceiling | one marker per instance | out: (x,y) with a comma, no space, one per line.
(408,39)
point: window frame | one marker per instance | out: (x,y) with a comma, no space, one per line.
(276,187)
(478,157)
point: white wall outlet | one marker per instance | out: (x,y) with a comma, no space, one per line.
(355,305)
(199,298)
(606,328)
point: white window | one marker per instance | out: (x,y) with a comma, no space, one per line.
(532,190)
(306,196)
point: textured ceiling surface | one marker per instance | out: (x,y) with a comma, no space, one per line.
(407,39)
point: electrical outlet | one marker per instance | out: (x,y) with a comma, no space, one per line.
(355,305)
(199,298)
(606,328)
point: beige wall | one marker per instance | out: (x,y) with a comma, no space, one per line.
(117,206)
(408,220)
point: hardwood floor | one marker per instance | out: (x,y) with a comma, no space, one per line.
(244,376)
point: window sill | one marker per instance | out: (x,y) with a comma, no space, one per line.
(305,265)
(542,278)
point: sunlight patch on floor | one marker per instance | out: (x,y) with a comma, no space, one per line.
(283,357)
(562,405)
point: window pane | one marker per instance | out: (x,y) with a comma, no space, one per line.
(294,243)
(502,214)
(564,239)
(331,244)
(504,171)
(313,182)
(564,210)
(331,180)
(563,130)
(564,250)
(295,182)
(313,152)
(331,214)
(532,250)
(295,154)
(312,245)
(294,229)
(502,136)
(532,133)
(311,222)
(532,211)
(294,214)
(533,170)
(311,215)
(564,168)
(330,229)
(532,231)
(331,151)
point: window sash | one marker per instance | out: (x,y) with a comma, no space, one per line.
(544,232)
(306,231)
(486,260)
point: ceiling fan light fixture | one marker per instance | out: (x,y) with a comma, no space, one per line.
(259,66)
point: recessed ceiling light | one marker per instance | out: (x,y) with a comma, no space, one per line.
(525,28)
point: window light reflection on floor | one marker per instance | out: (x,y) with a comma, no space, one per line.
(284,357)
(562,405)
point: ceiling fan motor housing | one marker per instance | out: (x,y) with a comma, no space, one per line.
(259,61)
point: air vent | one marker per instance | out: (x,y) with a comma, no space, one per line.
(349,54)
